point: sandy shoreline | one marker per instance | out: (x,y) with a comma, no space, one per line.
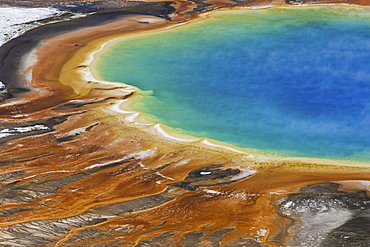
(100,178)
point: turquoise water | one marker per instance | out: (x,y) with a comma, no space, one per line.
(293,82)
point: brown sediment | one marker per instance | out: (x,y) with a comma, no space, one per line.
(92,178)
(218,3)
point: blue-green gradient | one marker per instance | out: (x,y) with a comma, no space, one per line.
(290,81)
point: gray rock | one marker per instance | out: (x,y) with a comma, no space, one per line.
(4,93)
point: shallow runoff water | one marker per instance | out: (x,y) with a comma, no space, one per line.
(286,81)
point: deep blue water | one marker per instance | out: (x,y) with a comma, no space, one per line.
(293,82)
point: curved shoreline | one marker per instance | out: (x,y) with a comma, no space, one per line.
(139,120)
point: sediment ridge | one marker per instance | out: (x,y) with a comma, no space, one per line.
(75,172)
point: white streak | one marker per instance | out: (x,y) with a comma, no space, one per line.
(103,164)
(212,192)
(207,142)
(260,7)
(15,21)
(205,173)
(2,135)
(163,176)
(25,129)
(143,154)
(244,172)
